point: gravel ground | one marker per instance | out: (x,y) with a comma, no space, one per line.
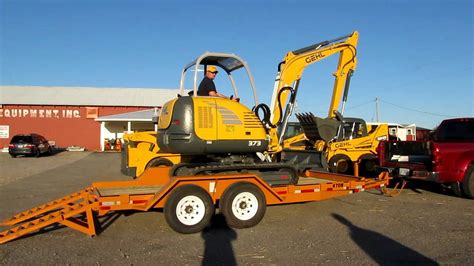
(424,225)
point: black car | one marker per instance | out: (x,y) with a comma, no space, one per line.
(30,144)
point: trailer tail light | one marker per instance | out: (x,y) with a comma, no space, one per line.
(138,201)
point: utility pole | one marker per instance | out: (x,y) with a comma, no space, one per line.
(376,109)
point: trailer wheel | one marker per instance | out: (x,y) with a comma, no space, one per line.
(243,205)
(189,209)
(468,183)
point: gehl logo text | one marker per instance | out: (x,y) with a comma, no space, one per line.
(314,57)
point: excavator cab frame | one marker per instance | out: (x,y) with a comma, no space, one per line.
(227,62)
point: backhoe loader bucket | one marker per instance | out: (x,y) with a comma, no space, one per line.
(316,128)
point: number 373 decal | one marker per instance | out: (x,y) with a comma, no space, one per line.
(255,143)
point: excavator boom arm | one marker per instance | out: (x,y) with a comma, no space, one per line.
(295,62)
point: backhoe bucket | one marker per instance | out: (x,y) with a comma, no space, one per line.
(316,128)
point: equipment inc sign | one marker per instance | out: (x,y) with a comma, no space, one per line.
(39,113)
(4,132)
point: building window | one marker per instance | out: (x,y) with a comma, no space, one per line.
(92,112)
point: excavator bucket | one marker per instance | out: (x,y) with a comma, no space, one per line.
(74,210)
(316,128)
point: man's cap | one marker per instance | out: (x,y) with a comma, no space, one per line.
(212,69)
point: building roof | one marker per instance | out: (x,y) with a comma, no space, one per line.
(143,115)
(85,96)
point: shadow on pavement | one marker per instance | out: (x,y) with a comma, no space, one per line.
(383,250)
(102,223)
(217,243)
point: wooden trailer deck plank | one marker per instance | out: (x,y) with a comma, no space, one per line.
(311,181)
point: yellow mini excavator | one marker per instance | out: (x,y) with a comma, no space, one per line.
(215,134)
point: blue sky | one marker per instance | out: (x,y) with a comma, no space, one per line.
(416,57)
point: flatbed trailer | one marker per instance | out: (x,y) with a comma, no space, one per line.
(188,202)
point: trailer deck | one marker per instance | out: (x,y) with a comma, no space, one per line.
(184,199)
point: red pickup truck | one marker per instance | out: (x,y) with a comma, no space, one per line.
(447,158)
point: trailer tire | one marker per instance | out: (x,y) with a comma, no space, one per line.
(468,183)
(243,205)
(188,209)
(157,162)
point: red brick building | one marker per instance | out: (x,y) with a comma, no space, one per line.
(78,116)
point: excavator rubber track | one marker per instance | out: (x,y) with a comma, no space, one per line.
(74,210)
(273,173)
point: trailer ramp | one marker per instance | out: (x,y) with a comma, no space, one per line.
(74,211)
(79,210)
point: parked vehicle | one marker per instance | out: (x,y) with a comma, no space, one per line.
(447,159)
(29,144)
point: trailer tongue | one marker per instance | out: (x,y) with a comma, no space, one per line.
(188,202)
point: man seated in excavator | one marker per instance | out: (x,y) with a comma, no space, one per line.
(207,86)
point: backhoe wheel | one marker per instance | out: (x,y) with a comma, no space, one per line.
(468,183)
(189,209)
(340,164)
(243,205)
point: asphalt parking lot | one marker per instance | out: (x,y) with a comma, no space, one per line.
(424,225)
